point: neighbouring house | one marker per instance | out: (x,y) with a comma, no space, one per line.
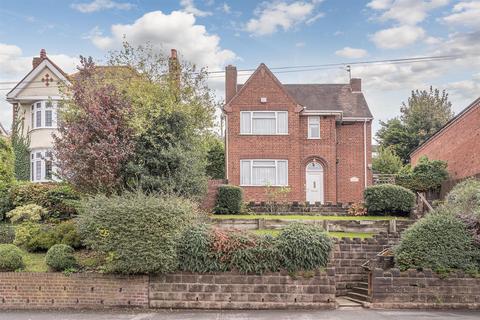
(313,138)
(457,143)
(3,132)
(35,100)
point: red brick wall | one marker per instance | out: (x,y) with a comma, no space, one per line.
(20,290)
(210,199)
(458,144)
(344,143)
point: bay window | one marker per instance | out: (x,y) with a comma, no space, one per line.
(44,114)
(41,165)
(263,172)
(264,122)
(313,127)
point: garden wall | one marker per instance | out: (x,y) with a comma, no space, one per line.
(21,290)
(350,254)
(416,289)
(237,291)
(210,198)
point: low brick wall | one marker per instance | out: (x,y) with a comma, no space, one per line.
(350,254)
(238,291)
(55,290)
(208,202)
(416,289)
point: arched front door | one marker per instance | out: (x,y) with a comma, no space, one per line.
(314,182)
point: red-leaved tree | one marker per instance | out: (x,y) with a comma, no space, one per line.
(94,140)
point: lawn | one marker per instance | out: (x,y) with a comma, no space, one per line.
(34,262)
(361,235)
(302,217)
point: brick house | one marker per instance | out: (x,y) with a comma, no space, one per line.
(313,138)
(457,143)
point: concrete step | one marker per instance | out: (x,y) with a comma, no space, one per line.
(362,285)
(345,302)
(358,296)
(360,290)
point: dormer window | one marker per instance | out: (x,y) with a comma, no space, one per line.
(44,114)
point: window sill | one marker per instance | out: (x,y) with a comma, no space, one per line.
(264,135)
(43,128)
(263,186)
(314,138)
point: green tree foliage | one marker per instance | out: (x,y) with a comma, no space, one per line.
(215,158)
(21,149)
(386,161)
(6,161)
(426,175)
(423,115)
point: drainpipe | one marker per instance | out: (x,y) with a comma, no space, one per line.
(365,150)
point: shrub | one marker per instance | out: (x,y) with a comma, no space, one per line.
(262,257)
(11,258)
(438,241)
(229,199)
(66,233)
(60,257)
(426,175)
(138,232)
(388,198)
(24,193)
(5,203)
(28,212)
(7,233)
(34,236)
(303,247)
(6,161)
(194,250)
(357,209)
(465,197)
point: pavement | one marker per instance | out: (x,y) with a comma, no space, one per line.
(341,314)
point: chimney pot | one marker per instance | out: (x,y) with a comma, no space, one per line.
(356,84)
(230,82)
(43,54)
(173,53)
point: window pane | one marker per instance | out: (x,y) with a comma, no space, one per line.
(48,170)
(314,131)
(282,173)
(263,176)
(39,119)
(264,115)
(313,120)
(282,122)
(38,170)
(48,118)
(31,173)
(263,163)
(245,172)
(245,122)
(264,126)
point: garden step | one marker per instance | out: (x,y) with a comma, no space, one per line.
(363,291)
(358,296)
(345,302)
(362,285)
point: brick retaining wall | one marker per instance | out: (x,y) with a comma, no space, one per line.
(350,254)
(416,289)
(238,291)
(21,290)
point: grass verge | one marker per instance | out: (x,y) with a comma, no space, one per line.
(302,217)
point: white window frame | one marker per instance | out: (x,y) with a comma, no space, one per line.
(309,134)
(38,165)
(41,106)
(251,161)
(262,134)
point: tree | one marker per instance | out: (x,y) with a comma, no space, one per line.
(21,148)
(386,161)
(215,158)
(94,140)
(421,117)
(426,175)
(6,162)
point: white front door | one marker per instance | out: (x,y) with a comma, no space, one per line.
(314,183)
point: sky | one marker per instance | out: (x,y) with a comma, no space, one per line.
(283,33)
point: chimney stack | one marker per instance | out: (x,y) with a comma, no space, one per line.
(356,84)
(230,82)
(174,67)
(37,60)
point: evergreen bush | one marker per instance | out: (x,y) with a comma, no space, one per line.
(385,199)
(229,199)
(11,258)
(60,257)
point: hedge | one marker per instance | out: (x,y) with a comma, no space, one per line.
(229,200)
(137,232)
(388,199)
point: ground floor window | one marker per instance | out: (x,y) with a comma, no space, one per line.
(42,167)
(264,172)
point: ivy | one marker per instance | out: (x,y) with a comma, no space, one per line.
(21,149)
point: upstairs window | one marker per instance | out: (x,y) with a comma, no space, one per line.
(44,114)
(264,122)
(314,127)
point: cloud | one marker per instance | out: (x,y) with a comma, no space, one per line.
(270,17)
(99,5)
(165,31)
(300,44)
(226,8)
(353,53)
(465,14)
(410,12)
(466,89)
(379,4)
(189,7)
(397,37)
